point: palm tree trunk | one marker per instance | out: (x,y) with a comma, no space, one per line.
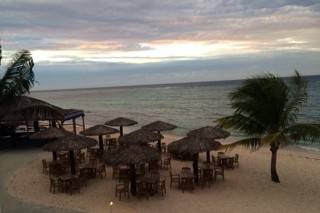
(274,150)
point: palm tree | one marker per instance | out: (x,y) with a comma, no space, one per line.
(19,76)
(266,110)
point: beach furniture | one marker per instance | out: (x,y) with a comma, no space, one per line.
(159,126)
(218,171)
(121,122)
(187,180)
(174,178)
(122,189)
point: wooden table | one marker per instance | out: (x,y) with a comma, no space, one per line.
(227,161)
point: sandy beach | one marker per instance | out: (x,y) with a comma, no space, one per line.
(245,189)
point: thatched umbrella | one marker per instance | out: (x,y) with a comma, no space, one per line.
(70,143)
(159,126)
(50,134)
(193,146)
(209,132)
(99,130)
(140,136)
(121,122)
(133,154)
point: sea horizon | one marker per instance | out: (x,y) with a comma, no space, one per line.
(160,85)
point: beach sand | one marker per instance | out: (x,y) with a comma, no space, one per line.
(245,189)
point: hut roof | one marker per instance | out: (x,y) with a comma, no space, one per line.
(51,133)
(24,108)
(131,155)
(193,145)
(99,130)
(209,132)
(159,126)
(121,122)
(140,136)
(70,143)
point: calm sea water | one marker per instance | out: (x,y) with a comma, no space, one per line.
(189,105)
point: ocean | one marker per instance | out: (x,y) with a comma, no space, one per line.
(188,105)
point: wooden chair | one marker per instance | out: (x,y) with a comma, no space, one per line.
(162,187)
(142,189)
(218,171)
(236,160)
(166,163)
(122,189)
(174,178)
(45,167)
(123,175)
(187,184)
(101,171)
(54,185)
(206,177)
(163,147)
(74,186)
(115,172)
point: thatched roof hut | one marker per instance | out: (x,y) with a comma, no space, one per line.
(192,145)
(159,126)
(99,130)
(121,122)
(209,132)
(140,136)
(70,143)
(50,133)
(133,154)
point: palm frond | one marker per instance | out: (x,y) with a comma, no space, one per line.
(19,76)
(304,132)
(253,144)
(297,97)
(243,123)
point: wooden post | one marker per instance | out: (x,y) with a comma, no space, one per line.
(208,156)
(72,162)
(54,156)
(195,167)
(101,143)
(83,124)
(159,143)
(121,130)
(74,126)
(133,184)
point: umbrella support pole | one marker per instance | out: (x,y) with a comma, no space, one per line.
(54,156)
(159,145)
(133,184)
(195,167)
(72,162)
(208,156)
(101,142)
(121,130)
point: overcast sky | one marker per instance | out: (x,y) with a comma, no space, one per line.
(81,43)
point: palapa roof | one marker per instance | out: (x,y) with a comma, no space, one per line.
(193,145)
(159,126)
(121,122)
(99,130)
(140,136)
(131,155)
(51,133)
(24,108)
(209,132)
(70,143)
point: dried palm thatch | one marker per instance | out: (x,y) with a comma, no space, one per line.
(140,136)
(159,126)
(99,130)
(70,143)
(50,133)
(25,108)
(133,154)
(121,122)
(192,145)
(209,132)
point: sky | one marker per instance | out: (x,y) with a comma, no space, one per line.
(97,43)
